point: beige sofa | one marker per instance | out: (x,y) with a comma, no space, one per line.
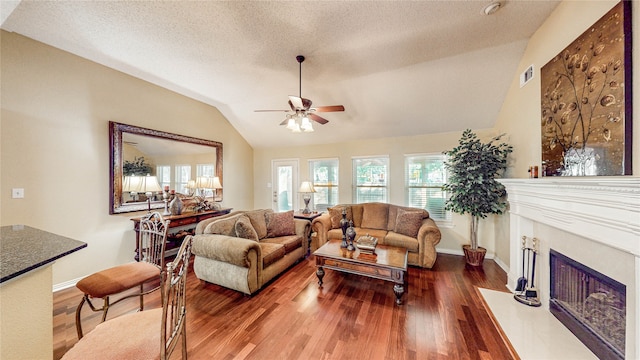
(393,225)
(244,250)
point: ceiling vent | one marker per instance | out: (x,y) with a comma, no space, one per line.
(526,76)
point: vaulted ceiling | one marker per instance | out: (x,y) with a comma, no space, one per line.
(399,67)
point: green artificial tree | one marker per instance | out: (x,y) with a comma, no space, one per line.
(472,187)
(138,166)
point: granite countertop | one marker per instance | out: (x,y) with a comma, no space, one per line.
(23,248)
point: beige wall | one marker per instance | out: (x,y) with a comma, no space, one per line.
(520,114)
(54,144)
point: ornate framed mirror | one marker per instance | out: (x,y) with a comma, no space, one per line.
(173,159)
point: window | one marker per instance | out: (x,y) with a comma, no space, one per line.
(164,175)
(370,179)
(183,175)
(207,171)
(424,177)
(324,176)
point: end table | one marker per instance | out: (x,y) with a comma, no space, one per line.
(309,217)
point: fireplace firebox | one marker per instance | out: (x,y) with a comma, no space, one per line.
(590,304)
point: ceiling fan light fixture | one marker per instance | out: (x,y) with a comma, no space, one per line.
(291,123)
(296,128)
(306,125)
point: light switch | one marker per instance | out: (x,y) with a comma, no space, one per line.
(17,193)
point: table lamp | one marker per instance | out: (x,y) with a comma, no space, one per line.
(306,188)
(131,184)
(149,185)
(215,186)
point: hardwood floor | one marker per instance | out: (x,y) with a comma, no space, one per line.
(350,317)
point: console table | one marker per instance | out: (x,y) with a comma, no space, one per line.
(179,227)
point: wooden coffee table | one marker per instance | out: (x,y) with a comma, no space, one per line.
(390,264)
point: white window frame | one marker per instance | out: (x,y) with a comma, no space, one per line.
(329,186)
(410,183)
(181,184)
(372,186)
(163,172)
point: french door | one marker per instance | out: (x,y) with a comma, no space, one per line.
(285,185)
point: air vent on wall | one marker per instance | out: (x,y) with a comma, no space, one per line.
(526,76)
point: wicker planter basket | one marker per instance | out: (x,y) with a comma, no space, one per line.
(474,257)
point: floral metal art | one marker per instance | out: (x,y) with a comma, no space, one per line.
(586,102)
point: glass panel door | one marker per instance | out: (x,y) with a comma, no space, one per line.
(285,181)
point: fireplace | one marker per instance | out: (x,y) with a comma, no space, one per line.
(590,304)
(590,226)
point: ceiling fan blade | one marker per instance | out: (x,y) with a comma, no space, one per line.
(271,110)
(295,102)
(318,119)
(331,108)
(284,122)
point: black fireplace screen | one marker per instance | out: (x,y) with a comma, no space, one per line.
(590,304)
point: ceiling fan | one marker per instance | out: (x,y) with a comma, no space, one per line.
(301,109)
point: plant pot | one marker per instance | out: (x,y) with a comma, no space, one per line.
(474,257)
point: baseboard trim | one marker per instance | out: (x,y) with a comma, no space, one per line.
(66,284)
(489,255)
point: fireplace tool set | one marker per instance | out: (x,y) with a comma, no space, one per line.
(526,291)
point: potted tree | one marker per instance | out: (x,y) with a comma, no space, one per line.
(473,167)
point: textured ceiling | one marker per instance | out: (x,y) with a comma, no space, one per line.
(399,67)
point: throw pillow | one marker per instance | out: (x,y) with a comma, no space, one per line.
(223,227)
(258,220)
(408,222)
(244,229)
(375,216)
(280,224)
(336,215)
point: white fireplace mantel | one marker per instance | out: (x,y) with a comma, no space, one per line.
(605,210)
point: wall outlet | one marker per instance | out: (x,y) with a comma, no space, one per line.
(17,193)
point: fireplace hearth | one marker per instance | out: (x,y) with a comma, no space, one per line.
(590,304)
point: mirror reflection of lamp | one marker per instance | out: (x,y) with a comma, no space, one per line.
(191,187)
(149,184)
(131,184)
(202,184)
(306,188)
(215,186)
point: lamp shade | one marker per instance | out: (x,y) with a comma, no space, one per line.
(131,183)
(191,184)
(216,183)
(306,187)
(202,182)
(149,184)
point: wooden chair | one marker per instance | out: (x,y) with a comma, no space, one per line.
(113,281)
(137,335)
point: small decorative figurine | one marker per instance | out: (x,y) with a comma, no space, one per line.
(351,234)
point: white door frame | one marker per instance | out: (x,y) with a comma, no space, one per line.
(294,164)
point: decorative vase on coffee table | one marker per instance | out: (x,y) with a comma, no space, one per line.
(351,234)
(344,224)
